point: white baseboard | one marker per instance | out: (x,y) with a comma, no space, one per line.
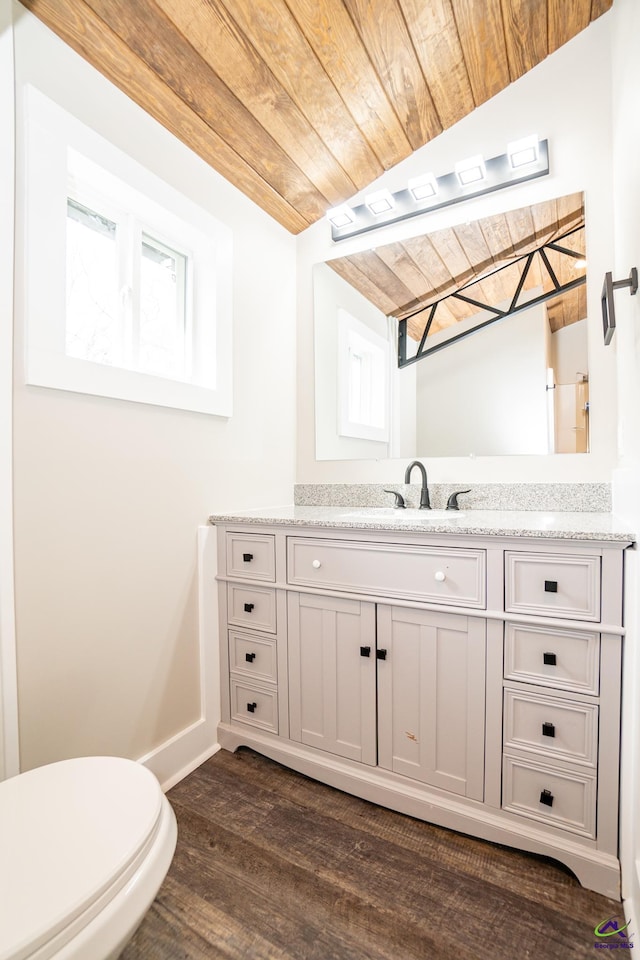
(181,754)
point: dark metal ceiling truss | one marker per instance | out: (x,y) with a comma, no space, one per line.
(498,313)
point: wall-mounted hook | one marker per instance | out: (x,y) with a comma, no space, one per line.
(608,308)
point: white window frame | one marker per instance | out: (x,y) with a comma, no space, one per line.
(57,142)
(356,337)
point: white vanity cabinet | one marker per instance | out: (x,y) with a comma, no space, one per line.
(470,681)
(431,698)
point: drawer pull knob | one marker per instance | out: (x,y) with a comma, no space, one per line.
(248,607)
(247,557)
(316,564)
(251,707)
(548,730)
(365,651)
(549,659)
(546,797)
(381,654)
(551,586)
(249,657)
(439,576)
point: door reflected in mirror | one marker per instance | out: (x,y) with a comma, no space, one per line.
(497,308)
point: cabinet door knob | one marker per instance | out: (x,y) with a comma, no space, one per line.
(251,707)
(365,651)
(248,607)
(439,576)
(546,797)
(549,659)
(548,730)
(249,657)
(381,654)
(247,557)
(316,564)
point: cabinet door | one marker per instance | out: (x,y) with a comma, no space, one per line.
(332,682)
(431,698)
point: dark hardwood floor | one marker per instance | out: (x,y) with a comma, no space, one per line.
(270,864)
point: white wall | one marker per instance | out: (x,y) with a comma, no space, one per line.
(626,342)
(578,129)
(487,394)
(109,495)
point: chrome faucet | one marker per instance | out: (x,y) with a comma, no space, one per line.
(424,493)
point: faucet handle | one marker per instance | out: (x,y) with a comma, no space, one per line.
(452,502)
(399,499)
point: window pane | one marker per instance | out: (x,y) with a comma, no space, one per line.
(162,310)
(92,321)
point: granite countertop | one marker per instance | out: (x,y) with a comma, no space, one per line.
(504,523)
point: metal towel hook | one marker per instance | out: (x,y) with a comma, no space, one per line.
(606,299)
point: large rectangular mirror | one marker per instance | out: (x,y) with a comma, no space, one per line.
(497,308)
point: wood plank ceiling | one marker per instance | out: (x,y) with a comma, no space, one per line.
(302,103)
(400,278)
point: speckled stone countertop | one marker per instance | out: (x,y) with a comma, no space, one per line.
(495,523)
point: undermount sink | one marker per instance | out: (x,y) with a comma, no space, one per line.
(400,515)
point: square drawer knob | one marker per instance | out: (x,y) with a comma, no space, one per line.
(551,586)
(251,707)
(249,657)
(549,659)
(546,797)
(548,730)
(247,557)
(248,607)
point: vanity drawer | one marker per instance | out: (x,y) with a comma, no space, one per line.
(549,585)
(253,656)
(563,659)
(255,705)
(551,727)
(252,607)
(562,799)
(455,577)
(251,556)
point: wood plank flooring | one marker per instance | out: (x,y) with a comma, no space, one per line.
(273,866)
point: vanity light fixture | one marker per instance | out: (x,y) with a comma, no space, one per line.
(525,160)
(421,188)
(380,202)
(471,170)
(523,152)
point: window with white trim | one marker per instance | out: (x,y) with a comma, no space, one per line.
(363,380)
(128,281)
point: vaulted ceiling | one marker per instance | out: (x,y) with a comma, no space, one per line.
(301,103)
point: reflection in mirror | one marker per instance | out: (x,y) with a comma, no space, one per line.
(500,324)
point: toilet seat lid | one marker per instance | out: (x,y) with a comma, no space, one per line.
(69,831)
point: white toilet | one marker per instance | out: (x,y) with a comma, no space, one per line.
(84,847)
